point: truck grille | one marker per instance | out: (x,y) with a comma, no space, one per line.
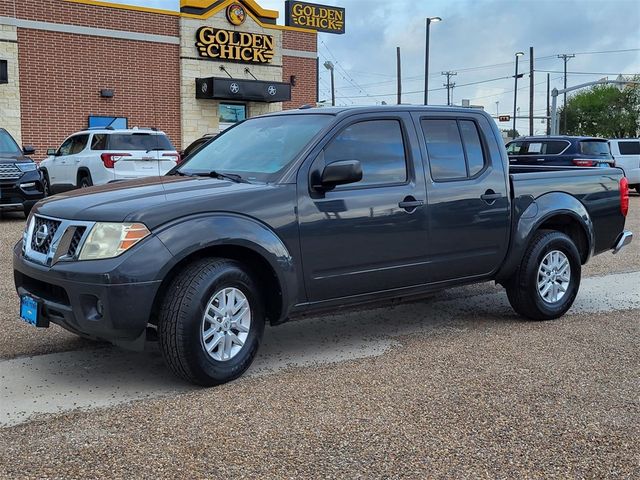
(50,240)
(44,230)
(8,171)
(75,241)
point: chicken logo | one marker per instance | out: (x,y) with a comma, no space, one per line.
(236,14)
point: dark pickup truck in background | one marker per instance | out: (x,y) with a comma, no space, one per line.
(20,180)
(306,211)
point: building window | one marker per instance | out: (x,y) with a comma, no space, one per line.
(98,121)
(4,71)
(230,113)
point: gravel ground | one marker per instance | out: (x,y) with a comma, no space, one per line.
(18,339)
(476,398)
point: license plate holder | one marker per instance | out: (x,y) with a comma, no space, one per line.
(31,313)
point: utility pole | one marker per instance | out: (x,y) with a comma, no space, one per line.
(449,85)
(399,75)
(515,93)
(565,58)
(531,90)
(548,111)
(498,108)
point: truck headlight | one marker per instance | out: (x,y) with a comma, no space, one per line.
(26,167)
(108,240)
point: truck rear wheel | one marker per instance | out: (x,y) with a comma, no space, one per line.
(211,322)
(548,279)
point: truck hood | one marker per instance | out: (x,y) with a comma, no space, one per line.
(152,201)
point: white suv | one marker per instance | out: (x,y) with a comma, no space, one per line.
(626,153)
(99,156)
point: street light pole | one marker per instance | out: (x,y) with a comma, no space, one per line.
(329,66)
(426,58)
(515,93)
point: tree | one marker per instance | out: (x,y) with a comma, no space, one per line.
(604,111)
(510,133)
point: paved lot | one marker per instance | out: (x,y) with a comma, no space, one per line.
(453,386)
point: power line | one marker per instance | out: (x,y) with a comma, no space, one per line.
(588,73)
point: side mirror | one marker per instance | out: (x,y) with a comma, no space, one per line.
(52,151)
(28,150)
(340,173)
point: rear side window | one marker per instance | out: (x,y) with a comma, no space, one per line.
(553,147)
(454,148)
(99,142)
(629,148)
(594,147)
(138,141)
(378,145)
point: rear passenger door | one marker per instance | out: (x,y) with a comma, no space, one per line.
(467,193)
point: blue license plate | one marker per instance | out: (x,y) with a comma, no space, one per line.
(29,310)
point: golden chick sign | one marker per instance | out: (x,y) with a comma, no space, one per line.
(219,44)
(322,18)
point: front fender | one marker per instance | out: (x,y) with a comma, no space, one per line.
(192,234)
(537,213)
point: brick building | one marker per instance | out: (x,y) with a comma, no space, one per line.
(72,64)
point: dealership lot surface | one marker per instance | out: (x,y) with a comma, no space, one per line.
(454,385)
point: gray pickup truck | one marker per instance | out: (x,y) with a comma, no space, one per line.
(307,211)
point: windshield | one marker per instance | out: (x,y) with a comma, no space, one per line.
(258,149)
(594,147)
(8,145)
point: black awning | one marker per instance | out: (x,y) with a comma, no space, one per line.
(242,90)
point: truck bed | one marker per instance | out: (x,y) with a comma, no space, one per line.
(595,188)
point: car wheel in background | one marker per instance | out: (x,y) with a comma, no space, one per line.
(85,181)
(548,279)
(211,322)
(46,186)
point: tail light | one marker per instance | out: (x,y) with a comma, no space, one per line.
(175,157)
(624,196)
(580,162)
(110,159)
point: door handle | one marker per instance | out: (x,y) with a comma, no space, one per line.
(539,159)
(490,196)
(410,204)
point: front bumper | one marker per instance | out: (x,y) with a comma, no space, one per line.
(623,240)
(108,299)
(21,193)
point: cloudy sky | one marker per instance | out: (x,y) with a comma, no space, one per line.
(478,40)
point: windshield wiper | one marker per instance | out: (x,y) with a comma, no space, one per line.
(226,176)
(182,174)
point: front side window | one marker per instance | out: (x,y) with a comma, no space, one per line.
(65,148)
(514,148)
(8,144)
(259,149)
(379,147)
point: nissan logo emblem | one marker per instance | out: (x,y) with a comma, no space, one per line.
(41,235)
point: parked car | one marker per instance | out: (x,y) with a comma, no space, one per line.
(306,211)
(103,155)
(560,151)
(626,153)
(196,145)
(20,181)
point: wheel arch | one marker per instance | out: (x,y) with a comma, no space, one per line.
(238,238)
(81,173)
(553,211)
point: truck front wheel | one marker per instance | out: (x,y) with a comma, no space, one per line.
(211,322)
(548,279)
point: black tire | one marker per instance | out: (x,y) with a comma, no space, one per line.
(46,185)
(522,290)
(180,321)
(85,181)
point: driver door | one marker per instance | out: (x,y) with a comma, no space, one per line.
(371,235)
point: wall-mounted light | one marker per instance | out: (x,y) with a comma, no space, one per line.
(292,80)
(106,93)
